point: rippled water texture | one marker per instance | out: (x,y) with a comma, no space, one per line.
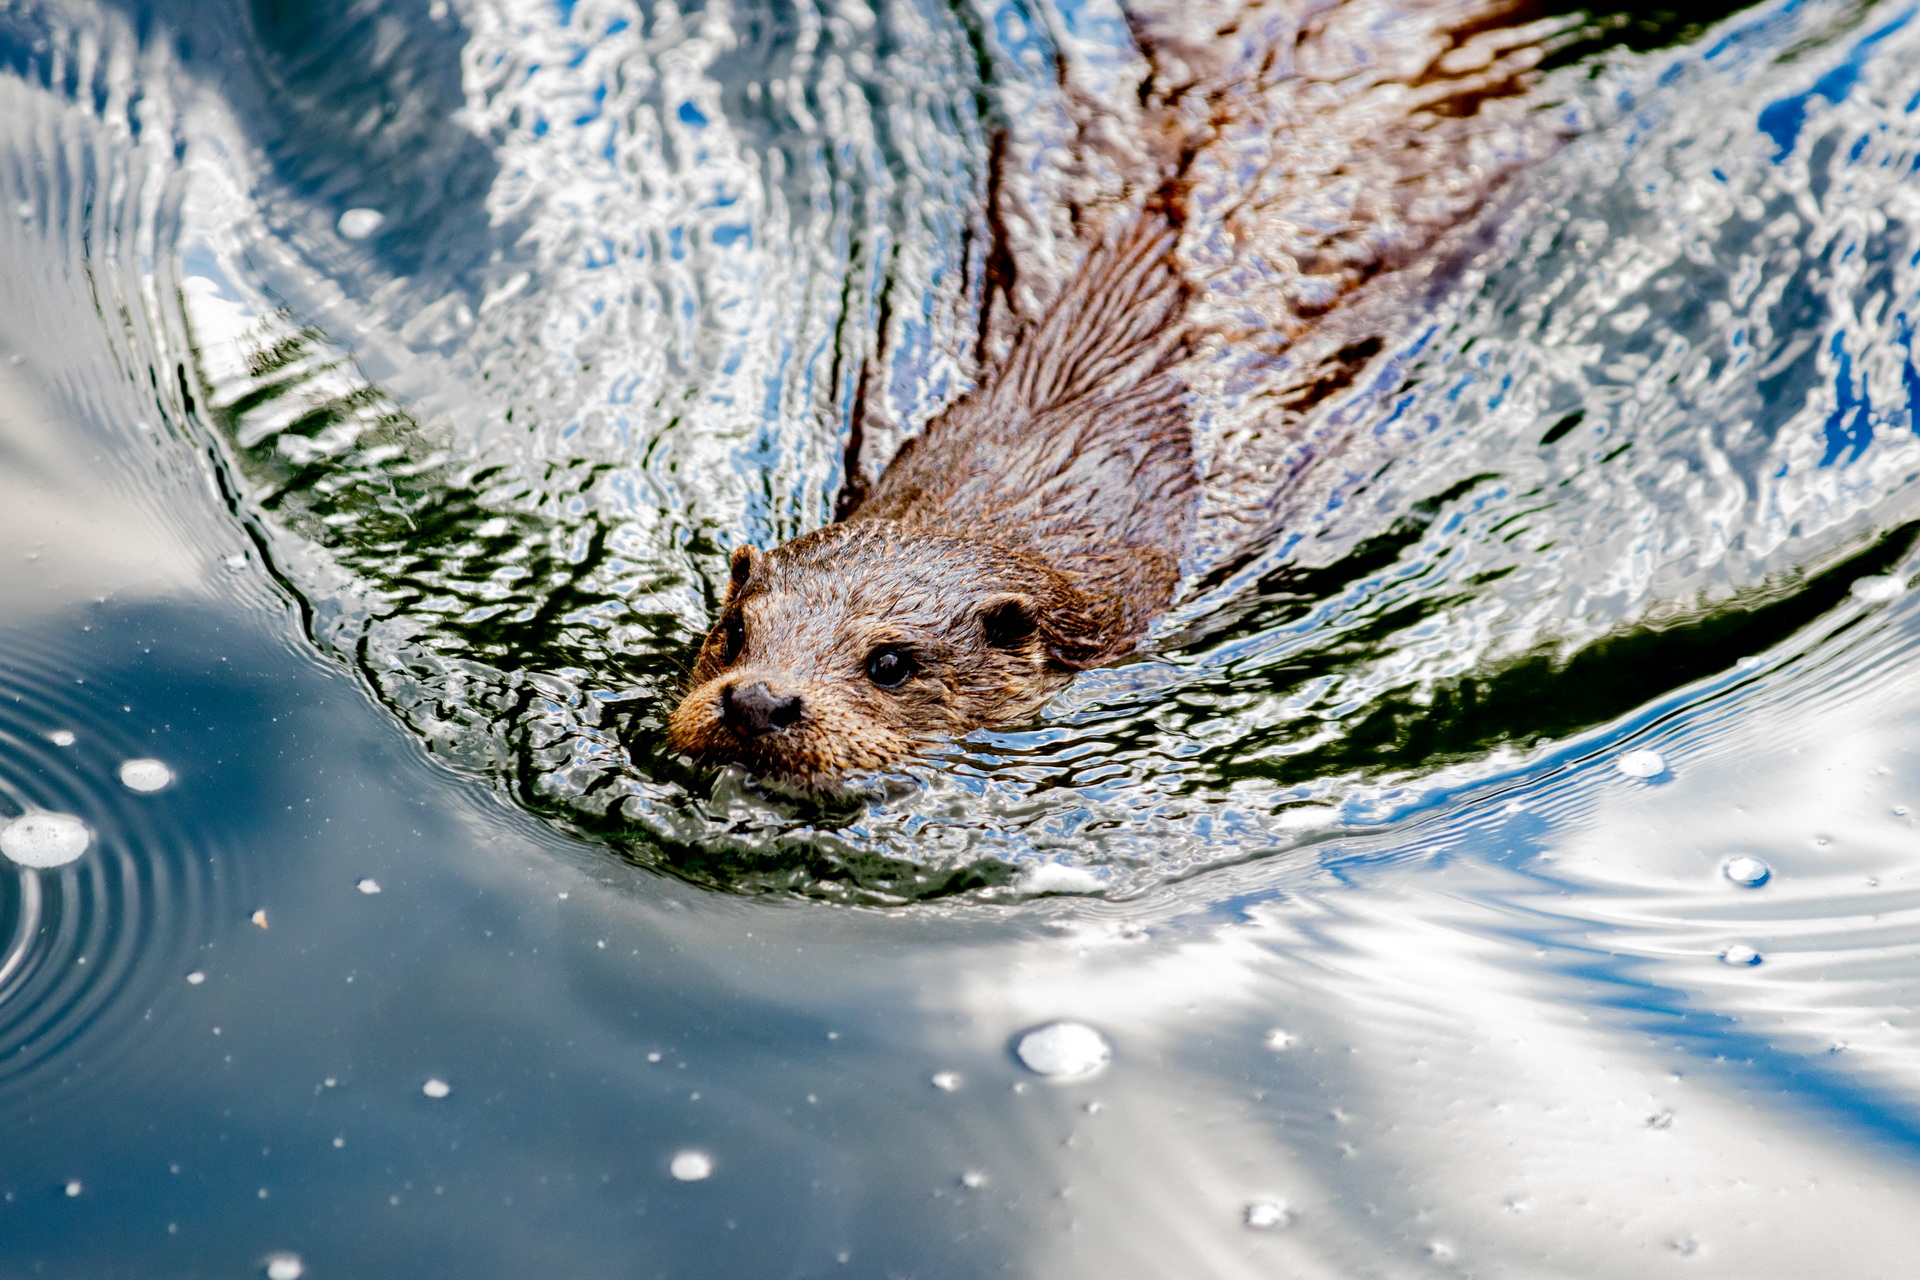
(505,338)
(1504,866)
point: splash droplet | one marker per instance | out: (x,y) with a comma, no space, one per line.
(285,1266)
(358,224)
(691,1166)
(44,839)
(1064,1050)
(367,885)
(195,978)
(1264,1215)
(1747,871)
(61,737)
(1641,764)
(145,776)
(946,1081)
(1278,1039)
(1740,954)
(436,1088)
(74,1188)
(973,1179)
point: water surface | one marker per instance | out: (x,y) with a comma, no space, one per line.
(381,393)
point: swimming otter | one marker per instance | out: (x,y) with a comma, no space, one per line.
(1038,526)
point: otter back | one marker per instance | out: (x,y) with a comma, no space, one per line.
(1079,445)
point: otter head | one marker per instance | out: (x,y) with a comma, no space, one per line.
(847,649)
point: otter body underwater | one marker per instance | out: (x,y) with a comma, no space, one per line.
(1040,524)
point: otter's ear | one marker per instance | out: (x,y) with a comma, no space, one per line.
(1008,622)
(740,568)
(1066,628)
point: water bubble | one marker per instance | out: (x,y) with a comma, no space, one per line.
(145,775)
(1877,587)
(195,978)
(1740,953)
(436,1088)
(1278,1039)
(358,224)
(1641,764)
(946,1081)
(1264,1215)
(61,737)
(367,884)
(1747,871)
(973,1179)
(74,1188)
(691,1166)
(1064,1050)
(285,1266)
(44,839)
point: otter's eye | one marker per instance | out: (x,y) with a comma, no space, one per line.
(733,638)
(889,668)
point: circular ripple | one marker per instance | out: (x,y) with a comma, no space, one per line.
(89,947)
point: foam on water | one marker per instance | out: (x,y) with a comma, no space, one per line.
(358,224)
(145,776)
(42,840)
(1641,764)
(691,1166)
(1064,1050)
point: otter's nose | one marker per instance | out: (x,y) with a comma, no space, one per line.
(757,709)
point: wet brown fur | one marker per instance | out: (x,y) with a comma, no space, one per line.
(1034,529)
